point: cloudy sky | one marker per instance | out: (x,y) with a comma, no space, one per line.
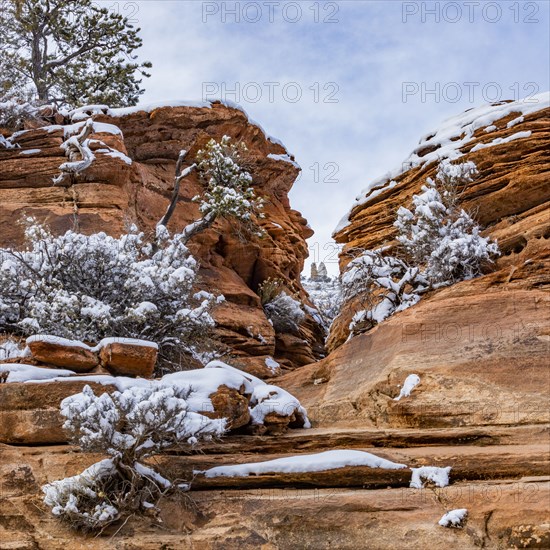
(348,86)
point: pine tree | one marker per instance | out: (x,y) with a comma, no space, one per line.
(69,53)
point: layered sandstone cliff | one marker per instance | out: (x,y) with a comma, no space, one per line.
(131,181)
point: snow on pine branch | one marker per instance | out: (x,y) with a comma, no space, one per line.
(88,287)
(387,285)
(228,189)
(229,192)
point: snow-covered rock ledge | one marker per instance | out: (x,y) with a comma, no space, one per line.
(217,391)
(337,467)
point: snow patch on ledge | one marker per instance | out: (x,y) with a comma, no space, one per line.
(19,372)
(125,341)
(438,476)
(284,158)
(500,141)
(408,386)
(454,518)
(319,462)
(448,139)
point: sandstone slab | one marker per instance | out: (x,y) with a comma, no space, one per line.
(61,353)
(128,357)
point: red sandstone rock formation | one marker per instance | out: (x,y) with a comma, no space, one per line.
(480,348)
(116,191)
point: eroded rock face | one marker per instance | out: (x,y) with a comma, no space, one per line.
(480,349)
(135,187)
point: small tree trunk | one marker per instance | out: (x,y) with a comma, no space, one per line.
(196,227)
(175,193)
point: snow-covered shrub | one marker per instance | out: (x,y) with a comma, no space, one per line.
(270,289)
(229,193)
(327,299)
(14,113)
(129,426)
(11,349)
(440,244)
(88,287)
(441,237)
(283,311)
(386,285)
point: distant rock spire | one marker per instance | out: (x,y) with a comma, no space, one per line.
(314,275)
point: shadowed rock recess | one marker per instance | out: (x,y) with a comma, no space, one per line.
(479,347)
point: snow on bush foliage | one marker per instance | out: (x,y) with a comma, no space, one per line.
(285,313)
(439,235)
(10,349)
(229,192)
(387,285)
(129,426)
(441,244)
(88,287)
(326,295)
(135,423)
(13,114)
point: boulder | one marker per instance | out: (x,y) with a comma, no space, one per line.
(68,354)
(128,357)
(230,404)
